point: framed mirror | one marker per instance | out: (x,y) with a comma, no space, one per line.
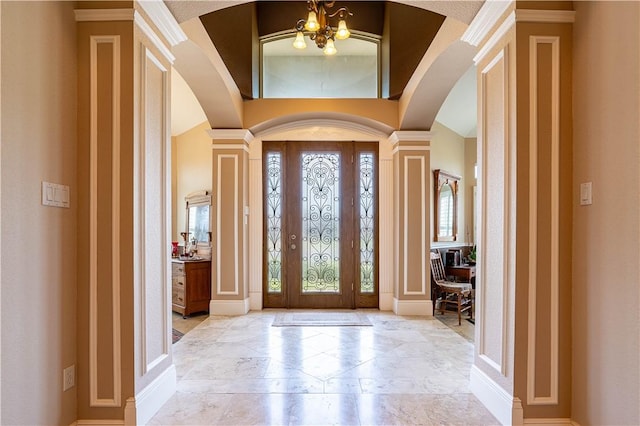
(445,205)
(198,214)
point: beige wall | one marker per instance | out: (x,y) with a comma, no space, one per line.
(191,169)
(38,243)
(469,182)
(448,152)
(606,239)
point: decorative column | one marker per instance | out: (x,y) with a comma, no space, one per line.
(125,367)
(522,366)
(412,233)
(230,220)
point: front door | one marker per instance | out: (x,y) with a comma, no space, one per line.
(320,234)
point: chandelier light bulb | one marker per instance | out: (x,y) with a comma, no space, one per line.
(299,42)
(330,48)
(343,32)
(312,22)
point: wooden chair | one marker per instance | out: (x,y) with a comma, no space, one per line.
(447,292)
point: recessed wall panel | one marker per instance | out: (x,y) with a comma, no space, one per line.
(154,213)
(104,225)
(495,189)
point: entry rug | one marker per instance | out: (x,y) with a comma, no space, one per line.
(320,319)
(177,335)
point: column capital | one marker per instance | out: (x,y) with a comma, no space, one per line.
(230,138)
(411,140)
(230,135)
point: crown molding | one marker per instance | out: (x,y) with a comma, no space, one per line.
(410,136)
(160,15)
(485,20)
(96,15)
(231,134)
(506,25)
(546,16)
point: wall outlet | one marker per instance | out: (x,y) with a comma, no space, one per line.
(68,378)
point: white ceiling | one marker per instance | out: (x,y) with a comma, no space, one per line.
(459,111)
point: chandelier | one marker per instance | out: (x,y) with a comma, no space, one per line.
(318,27)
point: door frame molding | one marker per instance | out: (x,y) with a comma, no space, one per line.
(317,130)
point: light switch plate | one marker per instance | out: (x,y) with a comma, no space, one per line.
(55,195)
(585,194)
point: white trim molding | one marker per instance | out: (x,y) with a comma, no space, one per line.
(142,213)
(504,406)
(147,402)
(230,307)
(410,135)
(523,15)
(550,422)
(502,30)
(103,15)
(413,307)
(163,19)
(508,248)
(485,20)
(423,223)
(553,279)
(144,26)
(219,245)
(94,400)
(546,16)
(230,134)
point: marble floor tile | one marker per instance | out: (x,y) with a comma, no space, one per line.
(399,371)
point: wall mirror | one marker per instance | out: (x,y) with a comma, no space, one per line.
(445,208)
(198,204)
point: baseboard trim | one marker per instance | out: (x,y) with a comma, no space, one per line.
(229,307)
(548,422)
(102,422)
(255,301)
(413,307)
(503,406)
(385,302)
(139,410)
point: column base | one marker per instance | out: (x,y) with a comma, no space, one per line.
(503,406)
(139,410)
(385,302)
(229,307)
(413,307)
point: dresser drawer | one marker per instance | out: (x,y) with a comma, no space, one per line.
(177,296)
(177,269)
(178,282)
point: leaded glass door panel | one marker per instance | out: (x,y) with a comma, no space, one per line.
(320,225)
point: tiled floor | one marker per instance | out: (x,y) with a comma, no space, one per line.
(400,371)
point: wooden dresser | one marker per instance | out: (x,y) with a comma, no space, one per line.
(190,286)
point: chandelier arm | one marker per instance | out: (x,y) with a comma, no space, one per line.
(312,5)
(300,25)
(342,13)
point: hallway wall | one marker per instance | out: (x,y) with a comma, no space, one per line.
(606,234)
(38,243)
(191,169)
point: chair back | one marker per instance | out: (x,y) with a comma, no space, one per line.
(437,268)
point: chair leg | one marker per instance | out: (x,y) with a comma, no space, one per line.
(459,308)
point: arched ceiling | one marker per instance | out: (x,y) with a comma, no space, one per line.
(444,62)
